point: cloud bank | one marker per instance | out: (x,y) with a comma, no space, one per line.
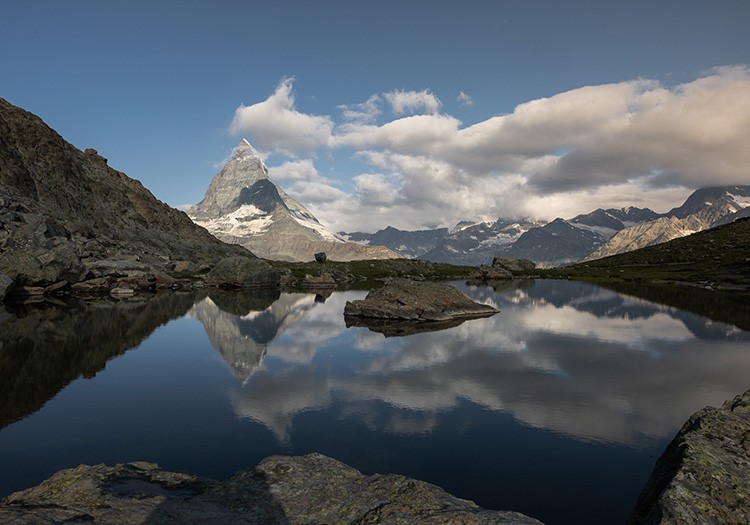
(637,142)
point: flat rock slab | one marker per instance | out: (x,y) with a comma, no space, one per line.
(704,474)
(419,301)
(281,489)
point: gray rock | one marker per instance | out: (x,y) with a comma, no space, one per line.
(513,265)
(405,299)
(6,283)
(281,489)
(704,474)
(321,257)
(243,272)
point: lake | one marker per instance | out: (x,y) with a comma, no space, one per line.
(556,407)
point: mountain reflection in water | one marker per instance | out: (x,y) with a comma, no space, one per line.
(559,402)
(568,357)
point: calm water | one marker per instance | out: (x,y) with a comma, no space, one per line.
(556,407)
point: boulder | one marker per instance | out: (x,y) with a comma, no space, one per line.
(321,257)
(280,489)
(703,476)
(405,299)
(513,265)
(490,273)
(243,272)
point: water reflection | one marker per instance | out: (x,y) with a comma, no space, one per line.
(44,347)
(564,356)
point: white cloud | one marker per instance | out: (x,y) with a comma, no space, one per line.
(464,99)
(296,170)
(363,113)
(403,102)
(636,142)
(276,125)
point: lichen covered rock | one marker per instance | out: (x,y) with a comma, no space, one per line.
(281,489)
(704,474)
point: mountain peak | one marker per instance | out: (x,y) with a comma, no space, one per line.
(245,150)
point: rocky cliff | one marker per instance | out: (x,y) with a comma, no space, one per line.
(242,206)
(66,215)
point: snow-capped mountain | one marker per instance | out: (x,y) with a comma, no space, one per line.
(242,206)
(479,243)
(412,244)
(703,209)
(564,241)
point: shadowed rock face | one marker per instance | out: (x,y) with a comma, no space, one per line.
(704,474)
(416,301)
(280,489)
(64,211)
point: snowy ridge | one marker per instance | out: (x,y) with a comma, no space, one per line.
(245,220)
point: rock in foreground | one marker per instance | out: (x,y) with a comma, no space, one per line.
(281,489)
(704,474)
(408,300)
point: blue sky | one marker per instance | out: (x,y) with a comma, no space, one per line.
(477,109)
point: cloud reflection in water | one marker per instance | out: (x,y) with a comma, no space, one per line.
(568,357)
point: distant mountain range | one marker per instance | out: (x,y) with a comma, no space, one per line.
(242,206)
(564,241)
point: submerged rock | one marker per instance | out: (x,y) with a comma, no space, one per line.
(704,474)
(280,489)
(408,300)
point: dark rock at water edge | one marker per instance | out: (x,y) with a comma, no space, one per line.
(280,489)
(406,299)
(400,328)
(704,474)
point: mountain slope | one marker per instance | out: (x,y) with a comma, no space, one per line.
(718,256)
(242,206)
(410,244)
(477,244)
(65,214)
(703,209)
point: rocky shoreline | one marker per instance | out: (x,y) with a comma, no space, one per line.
(702,477)
(279,490)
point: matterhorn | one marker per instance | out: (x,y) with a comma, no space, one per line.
(242,206)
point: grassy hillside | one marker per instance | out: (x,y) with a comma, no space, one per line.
(717,258)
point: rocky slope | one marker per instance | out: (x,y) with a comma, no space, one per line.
(242,206)
(715,258)
(703,209)
(279,490)
(66,215)
(704,474)
(410,244)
